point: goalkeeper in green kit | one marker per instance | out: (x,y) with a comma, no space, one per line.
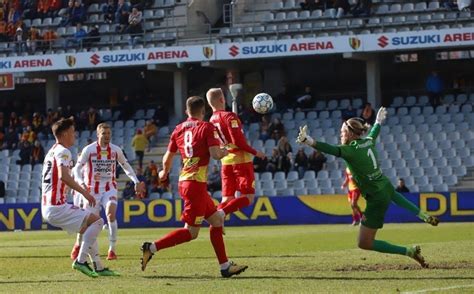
(361,158)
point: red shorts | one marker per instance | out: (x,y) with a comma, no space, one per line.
(353,195)
(238,177)
(198,204)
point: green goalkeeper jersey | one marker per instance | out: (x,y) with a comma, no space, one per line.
(361,158)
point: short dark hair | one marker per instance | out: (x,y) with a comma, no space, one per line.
(61,126)
(195,104)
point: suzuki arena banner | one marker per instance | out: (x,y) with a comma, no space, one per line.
(245,50)
(103,59)
(320,209)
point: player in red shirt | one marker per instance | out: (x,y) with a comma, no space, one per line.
(196,140)
(237,171)
(353,195)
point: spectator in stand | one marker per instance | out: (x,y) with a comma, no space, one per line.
(349,113)
(301,162)
(25,153)
(42,8)
(283,100)
(273,161)
(2,189)
(33,37)
(449,4)
(260,165)
(127,110)
(279,162)
(362,8)
(342,7)
(68,112)
(151,133)
(129,191)
(37,153)
(92,37)
(276,129)
(109,11)
(11,139)
(28,135)
(37,122)
(151,175)
(401,186)
(14,15)
(121,15)
(3,31)
(434,87)
(14,122)
(48,37)
(312,5)
(139,144)
(305,100)
(78,38)
(161,116)
(316,161)
(54,7)
(134,27)
(2,121)
(368,113)
(92,119)
(20,41)
(79,14)
(284,146)
(214,182)
(66,15)
(464,5)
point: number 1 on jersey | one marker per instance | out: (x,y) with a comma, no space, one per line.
(371,154)
(188,141)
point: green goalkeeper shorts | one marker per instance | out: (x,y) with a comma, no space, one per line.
(377,206)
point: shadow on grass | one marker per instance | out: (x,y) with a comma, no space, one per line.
(342,278)
(41,282)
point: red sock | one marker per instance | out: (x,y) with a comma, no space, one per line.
(236,204)
(218,243)
(173,238)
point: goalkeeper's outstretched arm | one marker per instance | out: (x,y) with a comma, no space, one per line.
(304,138)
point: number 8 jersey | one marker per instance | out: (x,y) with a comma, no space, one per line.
(52,187)
(193,138)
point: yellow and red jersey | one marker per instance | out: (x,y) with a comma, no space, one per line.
(192,139)
(232,136)
(351,185)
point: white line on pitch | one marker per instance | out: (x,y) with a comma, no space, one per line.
(439,289)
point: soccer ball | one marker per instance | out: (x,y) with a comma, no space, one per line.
(262,103)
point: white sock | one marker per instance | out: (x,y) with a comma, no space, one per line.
(153,247)
(88,239)
(225,265)
(78,239)
(112,235)
(95,257)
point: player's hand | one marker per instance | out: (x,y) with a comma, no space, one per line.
(140,190)
(90,199)
(303,137)
(260,154)
(224,151)
(164,179)
(381,115)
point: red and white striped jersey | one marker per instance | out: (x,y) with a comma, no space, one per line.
(98,166)
(52,186)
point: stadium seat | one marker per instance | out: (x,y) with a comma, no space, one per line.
(167,195)
(269,192)
(301,191)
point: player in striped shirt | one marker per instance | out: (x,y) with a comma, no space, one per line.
(95,171)
(54,209)
(353,194)
(360,156)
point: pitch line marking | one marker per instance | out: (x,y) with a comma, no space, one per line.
(439,289)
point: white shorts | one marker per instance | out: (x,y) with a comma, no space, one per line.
(78,199)
(67,217)
(102,200)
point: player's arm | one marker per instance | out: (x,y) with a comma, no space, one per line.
(139,187)
(77,170)
(65,177)
(238,138)
(163,175)
(346,181)
(375,130)
(304,138)
(217,153)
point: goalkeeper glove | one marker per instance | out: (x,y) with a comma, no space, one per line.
(303,137)
(381,115)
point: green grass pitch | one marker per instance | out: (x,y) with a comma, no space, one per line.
(281,259)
